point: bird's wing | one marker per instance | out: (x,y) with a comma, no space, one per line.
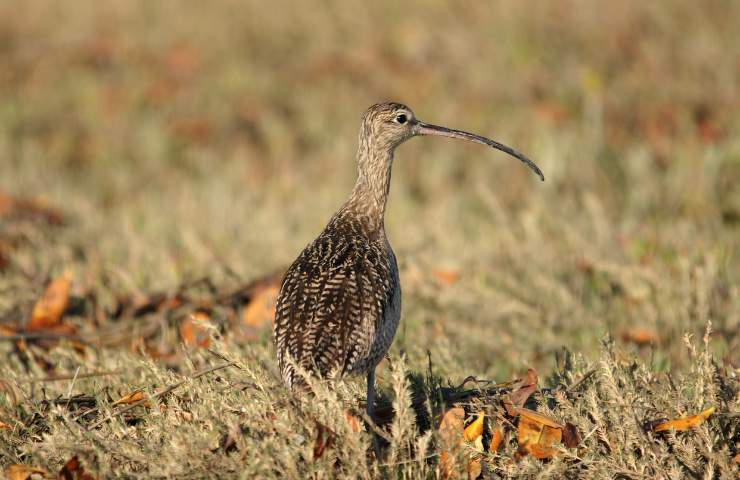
(331,302)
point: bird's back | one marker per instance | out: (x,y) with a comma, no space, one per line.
(339,303)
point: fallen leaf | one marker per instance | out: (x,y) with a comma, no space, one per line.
(496,440)
(133,397)
(537,433)
(474,433)
(182,61)
(451,428)
(48,310)
(446,277)
(72,470)
(736,459)
(4,256)
(353,421)
(552,111)
(519,394)
(29,208)
(4,425)
(261,309)
(453,433)
(194,330)
(571,437)
(23,472)
(324,439)
(475,429)
(473,468)
(684,423)
(6,204)
(640,336)
(194,130)
(540,452)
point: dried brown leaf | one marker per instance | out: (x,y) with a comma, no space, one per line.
(324,439)
(571,437)
(133,397)
(72,470)
(519,394)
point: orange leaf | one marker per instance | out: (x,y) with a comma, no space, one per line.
(50,307)
(540,452)
(4,425)
(72,470)
(23,472)
(452,433)
(193,330)
(451,428)
(133,397)
(538,418)
(519,395)
(261,309)
(640,336)
(498,437)
(684,423)
(475,429)
(354,423)
(537,433)
(446,277)
(473,468)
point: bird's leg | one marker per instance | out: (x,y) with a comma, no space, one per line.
(370,404)
(370,393)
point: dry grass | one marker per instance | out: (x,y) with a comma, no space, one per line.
(183,141)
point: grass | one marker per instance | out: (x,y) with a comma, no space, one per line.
(183,142)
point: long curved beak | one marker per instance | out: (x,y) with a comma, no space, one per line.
(421,128)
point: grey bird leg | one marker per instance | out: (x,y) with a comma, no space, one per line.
(370,404)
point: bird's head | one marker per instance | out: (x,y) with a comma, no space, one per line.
(387,125)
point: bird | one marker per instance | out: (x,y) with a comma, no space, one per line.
(340,301)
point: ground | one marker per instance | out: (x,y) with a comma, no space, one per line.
(168,148)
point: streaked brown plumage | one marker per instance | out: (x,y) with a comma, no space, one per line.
(340,301)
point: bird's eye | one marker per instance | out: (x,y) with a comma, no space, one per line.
(401,118)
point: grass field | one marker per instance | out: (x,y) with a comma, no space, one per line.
(182,142)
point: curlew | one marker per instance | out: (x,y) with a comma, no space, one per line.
(340,301)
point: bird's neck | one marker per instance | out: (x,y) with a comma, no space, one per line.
(370,193)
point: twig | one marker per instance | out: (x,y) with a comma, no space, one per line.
(44,336)
(576,385)
(159,394)
(375,428)
(72,385)
(58,378)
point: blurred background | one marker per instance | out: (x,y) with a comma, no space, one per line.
(185,139)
